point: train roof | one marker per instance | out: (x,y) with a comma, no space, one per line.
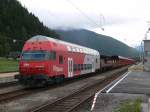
(70,46)
(114,57)
(121,57)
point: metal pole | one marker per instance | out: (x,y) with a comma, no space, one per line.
(102,21)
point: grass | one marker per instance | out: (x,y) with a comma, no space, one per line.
(8,65)
(130,106)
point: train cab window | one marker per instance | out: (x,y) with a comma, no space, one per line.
(60,59)
(35,55)
(53,55)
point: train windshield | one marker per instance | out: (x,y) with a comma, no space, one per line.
(35,55)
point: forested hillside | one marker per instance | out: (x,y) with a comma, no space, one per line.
(104,44)
(17,25)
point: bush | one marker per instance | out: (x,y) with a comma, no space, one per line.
(130,106)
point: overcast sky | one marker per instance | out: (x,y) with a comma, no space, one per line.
(125,20)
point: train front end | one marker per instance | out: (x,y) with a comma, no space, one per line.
(35,64)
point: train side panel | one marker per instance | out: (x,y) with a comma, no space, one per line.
(44,59)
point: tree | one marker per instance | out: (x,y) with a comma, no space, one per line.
(17,23)
(7,48)
(1,50)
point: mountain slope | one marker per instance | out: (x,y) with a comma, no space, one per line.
(16,23)
(105,44)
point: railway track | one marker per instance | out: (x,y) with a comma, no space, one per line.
(6,97)
(8,84)
(74,100)
(13,95)
(21,92)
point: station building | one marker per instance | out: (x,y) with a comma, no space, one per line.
(147,55)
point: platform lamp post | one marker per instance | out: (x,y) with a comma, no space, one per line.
(142,53)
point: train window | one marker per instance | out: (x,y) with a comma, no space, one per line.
(81,66)
(75,67)
(89,66)
(105,60)
(60,59)
(78,66)
(53,55)
(96,60)
(84,66)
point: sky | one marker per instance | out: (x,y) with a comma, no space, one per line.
(124,20)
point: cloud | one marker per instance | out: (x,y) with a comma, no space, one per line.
(77,20)
(124,20)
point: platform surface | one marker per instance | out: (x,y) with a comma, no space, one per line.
(134,83)
(7,77)
(8,74)
(109,102)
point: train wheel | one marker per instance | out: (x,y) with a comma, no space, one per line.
(41,83)
(50,81)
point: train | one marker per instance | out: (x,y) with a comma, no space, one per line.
(45,60)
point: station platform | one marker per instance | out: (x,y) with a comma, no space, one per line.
(135,84)
(110,102)
(7,77)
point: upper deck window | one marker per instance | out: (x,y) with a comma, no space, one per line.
(53,55)
(35,55)
(60,59)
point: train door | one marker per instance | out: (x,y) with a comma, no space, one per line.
(70,67)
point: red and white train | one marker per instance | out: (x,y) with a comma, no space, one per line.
(45,60)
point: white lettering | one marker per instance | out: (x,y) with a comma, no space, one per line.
(57,69)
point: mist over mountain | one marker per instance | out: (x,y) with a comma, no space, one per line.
(17,25)
(106,45)
(139,48)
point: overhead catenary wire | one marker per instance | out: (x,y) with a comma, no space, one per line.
(85,15)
